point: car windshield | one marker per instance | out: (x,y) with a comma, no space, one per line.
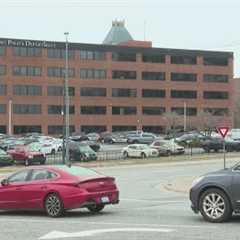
(78,171)
(35,147)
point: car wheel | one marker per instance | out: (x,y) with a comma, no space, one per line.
(53,205)
(43,161)
(143,155)
(168,153)
(59,149)
(215,206)
(96,208)
(53,151)
(125,154)
(135,142)
(206,149)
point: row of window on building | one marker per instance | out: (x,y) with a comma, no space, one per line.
(58,129)
(123,56)
(32,90)
(116,74)
(102,110)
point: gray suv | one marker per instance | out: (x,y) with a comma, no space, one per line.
(217,195)
(145,138)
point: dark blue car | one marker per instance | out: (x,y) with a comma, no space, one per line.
(216,195)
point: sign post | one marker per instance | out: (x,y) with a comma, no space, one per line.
(223,132)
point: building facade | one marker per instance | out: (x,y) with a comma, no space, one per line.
(119,87)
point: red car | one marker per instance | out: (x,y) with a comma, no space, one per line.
(27,154)
(58,188)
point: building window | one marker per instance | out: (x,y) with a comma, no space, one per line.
(3,129)
(60,72)
(27,71)
(58,91)
(3,90)
(27,90)
(20,129)
(93,128)
(3,70)
(185,77)
(153,110)
(189,111)
(92,55)
(153,93)
(58,109)
(60,53)
(27,52)
(215,61)
(215,78)
(93,74)
(153,76)
(27,109)
(183,94)
(118,74)
(124,110)
(124,57)
(2,51)
(96,110)
(3,108)
(153,129)
(151,58)
(122,128)
(176,59)
(217,111)
(93,92)
(124,92)
(215,95)
(58,129)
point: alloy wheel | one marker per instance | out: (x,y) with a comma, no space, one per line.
(214,205)
(53,205)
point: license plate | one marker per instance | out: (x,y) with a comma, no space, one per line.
(105,199)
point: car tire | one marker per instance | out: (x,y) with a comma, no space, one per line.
(43,161)
(59,149)
(125,154)
(135,142)
(96,208)
(53,152)
(206,149)
(168,153)
(143,155)
(53,205)
(215,206)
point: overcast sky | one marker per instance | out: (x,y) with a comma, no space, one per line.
(187,24)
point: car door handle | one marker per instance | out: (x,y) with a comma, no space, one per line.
(44,187)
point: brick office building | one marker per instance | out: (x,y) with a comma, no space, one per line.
(121,84)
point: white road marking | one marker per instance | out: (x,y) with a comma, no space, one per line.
(149,201)
(89,233)
(56,221)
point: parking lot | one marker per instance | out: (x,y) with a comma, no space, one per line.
(151,207)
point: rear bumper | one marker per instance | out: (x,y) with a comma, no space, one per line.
(88,199)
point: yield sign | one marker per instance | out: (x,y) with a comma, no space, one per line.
(223,131)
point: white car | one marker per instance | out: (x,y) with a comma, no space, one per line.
(139,150)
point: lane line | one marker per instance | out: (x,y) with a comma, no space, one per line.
(28,220)
(90,233)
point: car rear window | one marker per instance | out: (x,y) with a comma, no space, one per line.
(78,171)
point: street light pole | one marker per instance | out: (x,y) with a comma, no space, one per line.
(66,104)
(184,116)
(10,117)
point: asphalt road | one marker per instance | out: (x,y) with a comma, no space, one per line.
(146,211)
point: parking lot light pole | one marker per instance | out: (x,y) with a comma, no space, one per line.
(66,104)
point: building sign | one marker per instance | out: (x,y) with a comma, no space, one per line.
(26,43)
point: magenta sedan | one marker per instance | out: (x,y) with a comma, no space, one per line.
(56,189)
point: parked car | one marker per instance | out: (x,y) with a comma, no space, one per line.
(5,159)
(79,138)
(167,147)
(81,152)
(216,144)
(188,138)
(56,189)
(115,138)
(146,138)
(27,154)
(139,150)
(216,195)
(93,136)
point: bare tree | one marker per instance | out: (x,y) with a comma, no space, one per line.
(172,120)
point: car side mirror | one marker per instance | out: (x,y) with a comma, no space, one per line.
(4,182)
